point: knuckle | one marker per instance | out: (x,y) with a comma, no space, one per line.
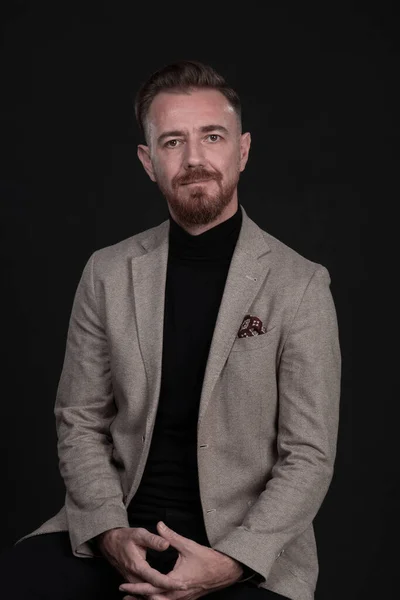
(138,569)
(140,530)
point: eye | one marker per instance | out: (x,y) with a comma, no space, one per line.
(214,135)
(171,143)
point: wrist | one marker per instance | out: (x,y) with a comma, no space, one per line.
(247,572)
(104,535)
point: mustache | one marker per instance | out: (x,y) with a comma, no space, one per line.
(197,175)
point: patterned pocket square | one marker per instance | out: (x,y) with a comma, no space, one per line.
(251,326)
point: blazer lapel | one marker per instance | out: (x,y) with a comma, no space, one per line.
(149,277)
(247,272)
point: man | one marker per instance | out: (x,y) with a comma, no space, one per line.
(197,409)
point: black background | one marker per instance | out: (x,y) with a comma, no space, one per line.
(319,94)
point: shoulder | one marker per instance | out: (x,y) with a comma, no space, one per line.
(289,265)
(113,257)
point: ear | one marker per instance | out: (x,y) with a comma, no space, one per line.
(143,153)
(245,141)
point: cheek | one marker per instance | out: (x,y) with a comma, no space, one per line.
(235,159)
(160,172)
(165,171)
(231,168)
(230,163)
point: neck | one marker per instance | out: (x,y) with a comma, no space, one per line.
(217,243)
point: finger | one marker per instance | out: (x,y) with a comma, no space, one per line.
(176,540)
(142,589)
(151,540)
(166,582)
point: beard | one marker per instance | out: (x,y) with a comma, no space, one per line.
(197,205)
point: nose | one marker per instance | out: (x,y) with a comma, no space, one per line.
(193,156)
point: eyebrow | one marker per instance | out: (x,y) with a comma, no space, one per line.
(204,129)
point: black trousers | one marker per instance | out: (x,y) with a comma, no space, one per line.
(43,567)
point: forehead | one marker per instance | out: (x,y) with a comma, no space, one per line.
(171,110)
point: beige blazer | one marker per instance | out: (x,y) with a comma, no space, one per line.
(268,416)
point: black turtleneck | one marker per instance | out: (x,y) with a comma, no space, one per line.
(196,274)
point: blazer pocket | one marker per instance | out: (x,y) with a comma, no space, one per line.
(254,342)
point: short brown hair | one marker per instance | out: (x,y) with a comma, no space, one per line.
(182,76)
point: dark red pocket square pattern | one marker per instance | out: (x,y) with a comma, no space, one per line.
(251,326)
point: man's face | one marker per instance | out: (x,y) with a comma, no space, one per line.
(195,153)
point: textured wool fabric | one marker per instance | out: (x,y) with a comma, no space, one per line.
(268,413)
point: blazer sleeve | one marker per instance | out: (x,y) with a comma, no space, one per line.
(84,410)
(308,379)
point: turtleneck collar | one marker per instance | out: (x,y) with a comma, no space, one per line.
(217,242)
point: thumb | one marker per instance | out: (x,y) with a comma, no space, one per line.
(175,539)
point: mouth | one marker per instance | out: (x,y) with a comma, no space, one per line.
(197,182)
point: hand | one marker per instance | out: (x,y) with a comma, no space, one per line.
(203,569)
(126,547)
